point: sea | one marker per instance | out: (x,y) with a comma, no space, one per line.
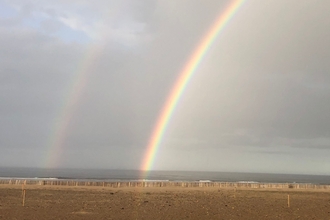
(175,176)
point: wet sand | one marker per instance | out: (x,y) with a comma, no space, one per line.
(50,202)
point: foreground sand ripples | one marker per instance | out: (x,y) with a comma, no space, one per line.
(161,203)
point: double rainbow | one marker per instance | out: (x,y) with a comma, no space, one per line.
(79,81)
(183,79)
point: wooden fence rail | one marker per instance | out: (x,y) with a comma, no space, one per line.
(164,184)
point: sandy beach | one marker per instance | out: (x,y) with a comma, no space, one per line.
(53,202)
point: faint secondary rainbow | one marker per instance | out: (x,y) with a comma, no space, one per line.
(54,150)
(55,146)
(182,81)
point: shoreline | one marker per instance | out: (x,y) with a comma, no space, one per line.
(158,189)
(166,184)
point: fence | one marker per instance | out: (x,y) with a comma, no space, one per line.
(164,184)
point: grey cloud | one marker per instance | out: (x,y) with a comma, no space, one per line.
(262,87)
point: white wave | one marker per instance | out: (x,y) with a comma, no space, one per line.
(146,180)
(28,178)
(247,182)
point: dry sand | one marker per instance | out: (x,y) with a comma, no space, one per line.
(46,202)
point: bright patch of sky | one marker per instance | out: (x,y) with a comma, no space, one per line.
(83,23)
(70,35)
(7,11)
(42,20)
(62,31)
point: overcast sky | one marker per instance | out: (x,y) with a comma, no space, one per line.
(85,81)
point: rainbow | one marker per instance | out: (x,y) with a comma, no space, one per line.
(183,79)
(55,146)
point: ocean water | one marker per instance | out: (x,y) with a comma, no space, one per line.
(135,175)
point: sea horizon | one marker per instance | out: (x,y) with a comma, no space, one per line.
(157,175)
